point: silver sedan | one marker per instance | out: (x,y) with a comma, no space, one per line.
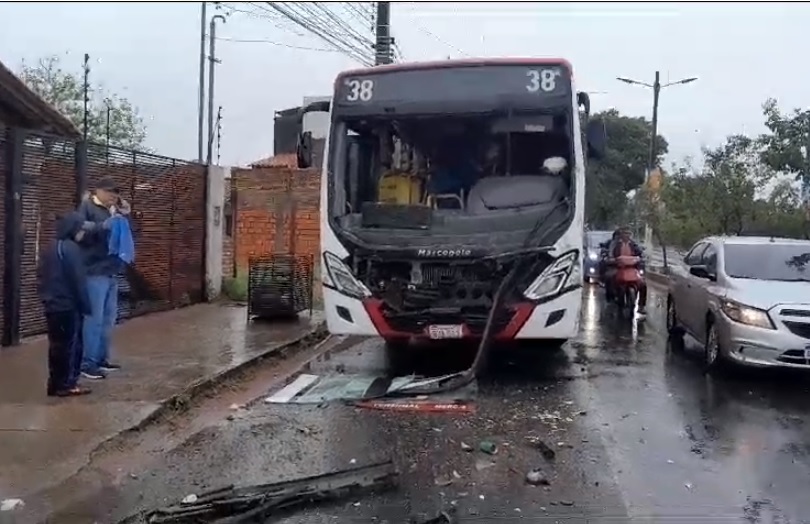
(746,299)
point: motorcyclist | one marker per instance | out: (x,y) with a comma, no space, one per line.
(623,244)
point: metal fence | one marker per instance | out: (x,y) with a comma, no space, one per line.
(280,285)
(45,177)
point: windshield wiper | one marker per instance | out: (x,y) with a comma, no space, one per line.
(796,279)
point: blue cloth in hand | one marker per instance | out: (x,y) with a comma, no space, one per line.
(121,243)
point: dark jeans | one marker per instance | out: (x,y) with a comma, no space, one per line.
(64,350)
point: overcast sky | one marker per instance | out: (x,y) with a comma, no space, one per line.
(149,52)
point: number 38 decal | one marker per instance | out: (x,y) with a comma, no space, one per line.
(360,90)
(542,80)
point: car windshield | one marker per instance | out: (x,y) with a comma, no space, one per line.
(594,238)
(786,262)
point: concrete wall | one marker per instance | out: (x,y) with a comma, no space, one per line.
(215,223)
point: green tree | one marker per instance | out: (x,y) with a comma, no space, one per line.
(621,170)
(64,91)
(723,198)
(788,134)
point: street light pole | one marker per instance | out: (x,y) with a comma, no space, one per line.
(652,160)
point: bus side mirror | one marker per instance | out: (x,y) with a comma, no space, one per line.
(596,137)
(304,150)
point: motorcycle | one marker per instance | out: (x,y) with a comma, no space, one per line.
(627,283)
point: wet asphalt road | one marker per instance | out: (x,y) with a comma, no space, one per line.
(640,435)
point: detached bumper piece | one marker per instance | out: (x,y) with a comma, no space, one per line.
(254,504)
(279,285)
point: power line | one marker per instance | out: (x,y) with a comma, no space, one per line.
(333,26)
(443,41)
(337,41)
(273,42)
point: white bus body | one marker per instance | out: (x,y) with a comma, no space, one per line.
(549,308)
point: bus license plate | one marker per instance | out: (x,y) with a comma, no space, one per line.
(445,331)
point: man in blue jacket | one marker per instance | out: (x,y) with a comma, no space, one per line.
(62,288)
(102,270)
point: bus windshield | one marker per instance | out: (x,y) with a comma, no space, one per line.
(454,162)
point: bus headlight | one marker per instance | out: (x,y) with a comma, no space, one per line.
(554,277)
(341,277)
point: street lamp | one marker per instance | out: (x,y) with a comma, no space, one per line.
(651,160)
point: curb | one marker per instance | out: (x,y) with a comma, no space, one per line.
(182,401)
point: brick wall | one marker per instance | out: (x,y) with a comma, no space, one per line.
(276,210)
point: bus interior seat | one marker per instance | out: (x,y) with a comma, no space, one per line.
(512,192)
(447,200)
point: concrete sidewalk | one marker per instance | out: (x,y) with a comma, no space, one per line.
(164,356)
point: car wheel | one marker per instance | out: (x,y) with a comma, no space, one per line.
(713,355)
(674,329)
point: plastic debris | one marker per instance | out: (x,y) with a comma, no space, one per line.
(481,465)
(488,447)
(536,477)
(11,504)
(466,447)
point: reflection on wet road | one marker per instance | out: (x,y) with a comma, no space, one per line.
(638,434)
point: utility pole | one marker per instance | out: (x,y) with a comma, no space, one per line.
(219,132)
(805,192)
(652,159)
(382,47)
(86,89)
(212,58)
(201,99)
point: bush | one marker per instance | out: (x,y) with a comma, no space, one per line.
(236,288)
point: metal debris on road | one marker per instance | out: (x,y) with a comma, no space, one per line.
(231,505)
(422,406)
(375,392)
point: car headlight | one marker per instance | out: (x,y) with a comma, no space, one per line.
(341,277)
(554,277)
(750,316)
(592,256)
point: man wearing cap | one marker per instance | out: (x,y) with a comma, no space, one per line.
(102,270)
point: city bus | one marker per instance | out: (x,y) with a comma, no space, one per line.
(452,200)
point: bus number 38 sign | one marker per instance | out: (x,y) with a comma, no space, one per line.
(360,90)
(542,80)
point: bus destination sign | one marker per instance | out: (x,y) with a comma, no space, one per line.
(521,84)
